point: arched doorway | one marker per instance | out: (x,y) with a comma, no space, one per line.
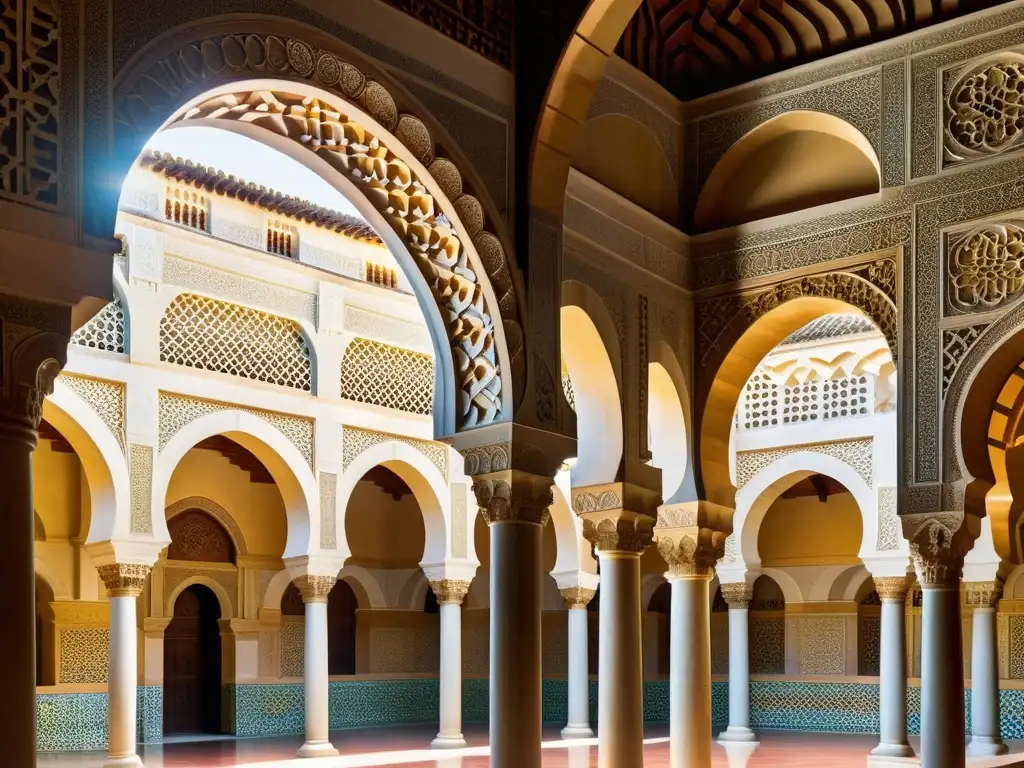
(192,664)
(341,630)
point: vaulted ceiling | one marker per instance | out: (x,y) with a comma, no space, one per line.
(695,47)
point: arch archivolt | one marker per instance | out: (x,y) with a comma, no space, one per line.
(757,495)
(217,512)
(349,128)
(173,589)
(289,468)
(427,482)
(48,573)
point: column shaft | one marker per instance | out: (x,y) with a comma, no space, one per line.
(122,682)
(450,733)
(315,591)
(739,675)
(942,689)
(18,640)
(986,738)
(620,718)
(579,676)
(690,674)
(515,696)
(893,677)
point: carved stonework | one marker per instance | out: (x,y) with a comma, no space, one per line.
(577,597)
(617,517)
(450,591)
(395,190)
(315,589)
(984,111)
(124,579)
(485,459)
(738,594)
(483,27)
(30,71)
(514,495)
(938,543)
(892,589)
(956,343)
(986,267)
(984,594)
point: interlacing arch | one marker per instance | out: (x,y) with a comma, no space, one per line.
(324,111)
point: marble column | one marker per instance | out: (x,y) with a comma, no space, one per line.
(515,506)
(450,593)
(124,583)
(738,596)
(892,704)
(986,738)
(315,591)
(576,600)
(689,667)
(942,684)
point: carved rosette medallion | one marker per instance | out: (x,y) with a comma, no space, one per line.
(315,589)
(738,595)
(450,591)
(892,589)
(984,110)
(577,597)
(984,594)
(124,579)
(986,267)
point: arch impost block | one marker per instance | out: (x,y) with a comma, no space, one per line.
(617,517)
(939,541)
(124,579)
(130,550)
(514,495)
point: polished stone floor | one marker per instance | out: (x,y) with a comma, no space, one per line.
(379,748)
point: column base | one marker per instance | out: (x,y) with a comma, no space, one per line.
(737,733)
(317,749)
(893,750)
(577,732)
(448,741)
(125,761)
(986,746)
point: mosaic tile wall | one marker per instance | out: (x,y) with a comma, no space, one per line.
(71,721)
(149,714)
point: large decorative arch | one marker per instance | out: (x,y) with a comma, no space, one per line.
(427,483)
(756,496)
(103,460)
(288,467)
(217,512)
(737,331)
(364,135)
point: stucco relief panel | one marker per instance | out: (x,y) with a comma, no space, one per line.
(821,645)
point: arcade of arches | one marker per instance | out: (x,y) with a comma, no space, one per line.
(353,377)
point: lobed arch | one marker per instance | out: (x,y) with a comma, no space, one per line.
(593,357)
(755,498)
(370,141)
(427,483)
(101,453)
(788,179)
(290,470)
(217,512)
(227,610)
(760,323)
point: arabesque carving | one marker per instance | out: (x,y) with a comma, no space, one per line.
(315,589)
(938,544)
(986,267)
(450,591)
(577,597)
(514,495)
(124,579)
(984,594)
(985,109)
(738,594)
(395,190)
(892,589)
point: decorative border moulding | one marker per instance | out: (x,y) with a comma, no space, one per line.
(355,441)
(177,411)
(856,453)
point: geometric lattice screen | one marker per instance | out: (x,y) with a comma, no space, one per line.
(200,332)
(105,330)
(393,377)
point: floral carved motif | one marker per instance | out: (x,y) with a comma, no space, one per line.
(985,109)
(409,207)
(577,597)
(450,591)
(986,267)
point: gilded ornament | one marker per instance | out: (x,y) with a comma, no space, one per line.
(892,589)
(577,597)
(738,594)
(450,591)
(124,579)
(315,589)
(984,594)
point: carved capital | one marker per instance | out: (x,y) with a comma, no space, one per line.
(124,579)
(514,495)
(577,597)
(691,537)
(618,530)
(938,543)
(450,591)
(315,589)
(738,595)
(984,594)
(892,589)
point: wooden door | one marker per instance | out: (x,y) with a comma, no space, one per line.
(192,664)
